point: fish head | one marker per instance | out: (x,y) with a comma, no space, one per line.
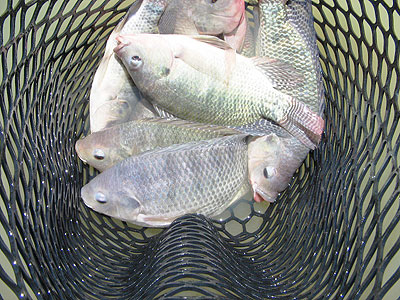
(218,16)
(106,195)
(147,57)
(265,167)
(100,149)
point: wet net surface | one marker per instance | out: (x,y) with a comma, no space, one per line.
(333,233)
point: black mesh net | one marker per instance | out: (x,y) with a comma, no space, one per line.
(333,233)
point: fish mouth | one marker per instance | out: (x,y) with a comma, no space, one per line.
(78,151)
(122,42)
(260,195)
(84,196)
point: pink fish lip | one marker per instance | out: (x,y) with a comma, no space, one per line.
(259,195)
(122,42)
(263,195)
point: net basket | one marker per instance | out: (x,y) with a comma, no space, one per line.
(334,233)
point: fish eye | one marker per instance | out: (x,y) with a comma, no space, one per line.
(269,172)
(100,197)
(99,154)
(136,62)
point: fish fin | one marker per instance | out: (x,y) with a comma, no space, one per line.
(261,128)
(303,123)
(162,113)
(223,131)
(282,75)
(156,221)
(169,19)
(212,40)
(111,113)
(230,53)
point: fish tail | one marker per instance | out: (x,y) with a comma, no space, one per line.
(303,123)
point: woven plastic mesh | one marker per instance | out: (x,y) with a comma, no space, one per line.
(333,233)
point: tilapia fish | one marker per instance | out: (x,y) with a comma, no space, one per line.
(202,79)
(158,186)
(226,17)
(286,33)
(114,98)
(105,148)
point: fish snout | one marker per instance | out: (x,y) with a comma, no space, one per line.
(122,43)
(79,148)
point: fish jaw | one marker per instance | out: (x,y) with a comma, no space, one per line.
(79,150)
(259,195)
(122,43)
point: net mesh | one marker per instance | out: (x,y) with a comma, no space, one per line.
(333,233)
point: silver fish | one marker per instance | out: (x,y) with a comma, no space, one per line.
(202,79)
(105,148)
(158,186)
(112,82)
(222,17)
(286,33)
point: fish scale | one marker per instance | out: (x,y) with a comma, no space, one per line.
(111,82)
(114,98)
(132,138)
(286,33)
(211,100)
(202,177)
(202,79)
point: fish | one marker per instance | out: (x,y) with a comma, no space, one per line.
(286,32)
(273,160)
(105,148)
(158,186)
(202,79)
(191,17)
(205,177)
(111,81)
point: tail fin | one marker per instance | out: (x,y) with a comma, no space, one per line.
(303,123)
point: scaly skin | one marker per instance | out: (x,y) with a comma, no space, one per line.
(196,81)
(132,138)
(286,33)
(112,83)
(159,186)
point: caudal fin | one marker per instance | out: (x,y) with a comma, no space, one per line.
(303,123)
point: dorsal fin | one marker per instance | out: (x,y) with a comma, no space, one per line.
(282,75)
(212,40)
(221,130)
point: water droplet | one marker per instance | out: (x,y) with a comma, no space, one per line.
(14,262)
